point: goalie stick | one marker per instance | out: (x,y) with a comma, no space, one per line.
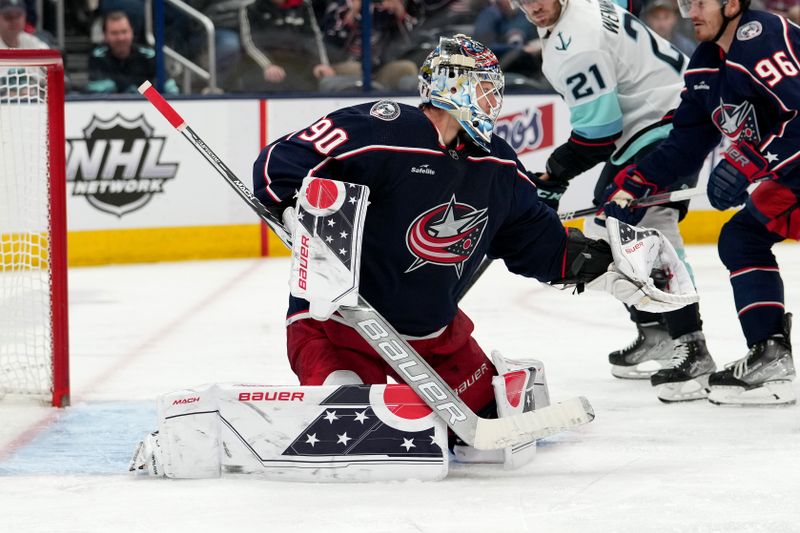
(647,201)
(481,433)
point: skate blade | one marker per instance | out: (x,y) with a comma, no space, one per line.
(770,393)
(684,391)
(643,370)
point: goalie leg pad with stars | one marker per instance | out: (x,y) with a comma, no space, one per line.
(297,433)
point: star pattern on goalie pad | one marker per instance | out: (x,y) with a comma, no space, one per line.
(334,227)
(353,428)
(358,431)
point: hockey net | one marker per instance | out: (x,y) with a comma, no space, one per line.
(33,270)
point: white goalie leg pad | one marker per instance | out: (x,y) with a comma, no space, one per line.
(328,433)
(637,252)
(519,387)
(327,228)
(187,443)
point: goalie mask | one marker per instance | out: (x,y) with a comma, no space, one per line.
(463,77)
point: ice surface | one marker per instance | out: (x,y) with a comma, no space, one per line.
(137,331)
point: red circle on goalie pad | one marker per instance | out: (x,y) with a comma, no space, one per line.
(321,193)
(403,402)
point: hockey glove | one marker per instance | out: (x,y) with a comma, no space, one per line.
(549,191)
(741,165)
(628,185)
(638,253)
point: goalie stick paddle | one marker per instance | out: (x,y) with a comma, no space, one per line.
(647,201)
(482,433)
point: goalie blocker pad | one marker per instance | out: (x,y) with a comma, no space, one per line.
(327,227)
(327,433)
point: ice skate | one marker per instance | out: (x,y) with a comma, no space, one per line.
(650,352)
(686,377)
(763,377)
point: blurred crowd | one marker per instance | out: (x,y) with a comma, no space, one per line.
(300,45)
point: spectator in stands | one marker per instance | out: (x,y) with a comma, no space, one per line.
(445,14)
(391,24)
(189,38)
(133,8)
(287,44)
(506,31)
(793,14)
(119,65)
(785,8)
(662,16)
(12,27)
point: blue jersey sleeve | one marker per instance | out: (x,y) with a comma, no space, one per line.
(315,151)
(532,240)
(691,139)
(774,68)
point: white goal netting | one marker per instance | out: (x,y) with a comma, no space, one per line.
(26,326)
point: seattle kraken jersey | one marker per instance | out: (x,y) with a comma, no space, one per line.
(434,211)
(751,94)
(618,78)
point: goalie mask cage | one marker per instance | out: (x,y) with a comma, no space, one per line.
(33,257)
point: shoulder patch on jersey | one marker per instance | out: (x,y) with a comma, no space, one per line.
(749,31)
(385,110)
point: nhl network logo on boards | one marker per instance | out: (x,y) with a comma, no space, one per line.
(117,165)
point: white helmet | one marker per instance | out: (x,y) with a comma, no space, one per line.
(453,78)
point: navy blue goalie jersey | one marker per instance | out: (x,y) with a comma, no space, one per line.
(434,211)
(750,94)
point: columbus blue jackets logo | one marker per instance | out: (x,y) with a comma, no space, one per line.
(385,110)
(737,122)
(446,235)
(751,30)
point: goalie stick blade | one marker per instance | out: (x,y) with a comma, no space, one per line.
(511,431)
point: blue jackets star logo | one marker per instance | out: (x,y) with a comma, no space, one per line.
(446,235)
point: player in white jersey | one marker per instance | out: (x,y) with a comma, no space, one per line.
(621,82)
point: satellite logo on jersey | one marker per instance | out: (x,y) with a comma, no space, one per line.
(528,130)
(446,235)
(423,169)
(737,122)
(117,165)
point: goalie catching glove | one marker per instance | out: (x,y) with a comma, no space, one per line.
(639,254)
(637,266)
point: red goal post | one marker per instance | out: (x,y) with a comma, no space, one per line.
(34,340)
